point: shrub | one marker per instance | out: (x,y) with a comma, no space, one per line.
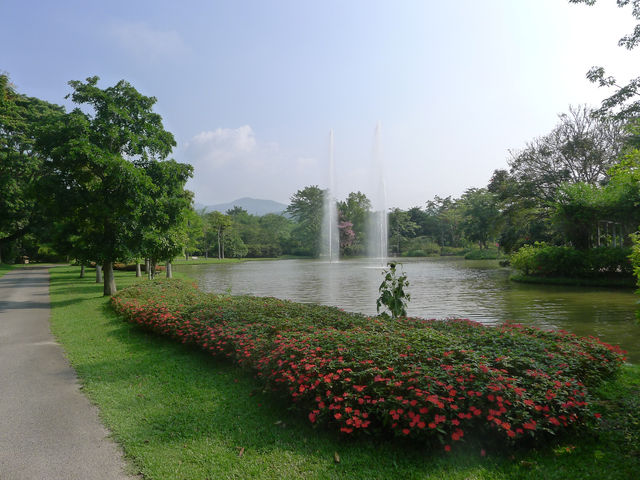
(483,254)
(424,379)
(453,251)
(421,247)
(553,261)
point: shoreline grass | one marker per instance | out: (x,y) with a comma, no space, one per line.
(4,268)
(179,413)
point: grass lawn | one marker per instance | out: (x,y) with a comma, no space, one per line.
(179,413)
(4,268)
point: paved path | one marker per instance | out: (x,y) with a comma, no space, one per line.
(48,428)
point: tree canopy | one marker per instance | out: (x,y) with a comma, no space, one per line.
(105,176)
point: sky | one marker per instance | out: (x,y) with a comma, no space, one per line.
(252,89)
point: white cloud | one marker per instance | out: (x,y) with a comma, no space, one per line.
(215,148)
(230,163)
(144,42)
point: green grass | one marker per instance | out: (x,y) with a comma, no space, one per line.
(4,268)
(613,282)
(179,413)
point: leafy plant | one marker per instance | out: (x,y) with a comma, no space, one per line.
(424,379)
(554,261)
(392,293)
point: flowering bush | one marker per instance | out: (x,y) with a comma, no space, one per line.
(423,379)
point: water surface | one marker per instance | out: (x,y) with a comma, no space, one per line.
(440,288)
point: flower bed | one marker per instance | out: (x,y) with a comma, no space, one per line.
(423,379)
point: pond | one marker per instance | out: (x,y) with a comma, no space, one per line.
(440,288)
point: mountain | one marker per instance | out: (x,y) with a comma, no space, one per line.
(254,206)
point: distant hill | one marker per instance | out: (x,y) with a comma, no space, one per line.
(254,206)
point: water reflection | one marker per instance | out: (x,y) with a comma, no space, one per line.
(440,288)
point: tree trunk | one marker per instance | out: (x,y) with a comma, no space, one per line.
(98,273)
(138,270)
(82,270)
(147,268)
(169,270)
(154,264)
(109,280)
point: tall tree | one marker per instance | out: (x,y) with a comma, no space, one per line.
(306,209)
(219,223)
(355,209)
(580,148)
(401,227)
(99,159)
(167,206)
(21,118)
(625,101)
(480,215)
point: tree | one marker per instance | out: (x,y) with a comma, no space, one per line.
(167,206)
(195,228)
(625,99)
(21,118)
(524,219)
(445,221)
(356,209)
(480,215)
(98,169)
(306,210)
(580,148)
(219,222)
(400,227)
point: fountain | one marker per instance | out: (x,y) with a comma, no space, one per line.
(330,240)
(378,229)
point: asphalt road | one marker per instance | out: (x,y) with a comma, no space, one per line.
(48,428)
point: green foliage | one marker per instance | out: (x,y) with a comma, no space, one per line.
(635,259)
(106,179)
(306,210)
(392,292)
(421,247)
(426,380)
(624,103)
(356,209)
(480,215)
(554,261)
(21,119)
(483,254)
(401,227)
(179,413)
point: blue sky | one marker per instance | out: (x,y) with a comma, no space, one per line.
(251,89)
